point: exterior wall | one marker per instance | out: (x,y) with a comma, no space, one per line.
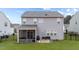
(73,26)
(45,25)
(51,25)
(5,30)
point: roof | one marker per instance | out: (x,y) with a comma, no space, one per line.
(27,26)
(41,14)
(15,25)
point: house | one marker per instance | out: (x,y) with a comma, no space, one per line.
(41,24)
(5,28)
(15,26)
(74,23)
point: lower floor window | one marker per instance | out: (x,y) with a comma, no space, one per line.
(27,34)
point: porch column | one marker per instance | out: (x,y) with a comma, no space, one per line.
(35,34)
(17,35)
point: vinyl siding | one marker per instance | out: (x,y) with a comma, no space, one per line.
(48,24)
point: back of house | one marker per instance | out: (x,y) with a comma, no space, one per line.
(42,24)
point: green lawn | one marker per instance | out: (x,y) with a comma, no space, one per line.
(10,44)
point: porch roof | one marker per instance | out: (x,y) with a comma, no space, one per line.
(28,27)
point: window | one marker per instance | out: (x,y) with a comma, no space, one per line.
(47,33)
(4,31)
(24,21)
(54,33)
(0,31)
(51,33)
(15,30)
(58,20)
(76,22)
(35,20)
(46,14)
(5,24)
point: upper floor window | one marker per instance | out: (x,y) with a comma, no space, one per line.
(47,33)
(35,20)
(76,22)
(0,31)
(58,20)
(46,14)
(5,24)
(55,33)
(24,20)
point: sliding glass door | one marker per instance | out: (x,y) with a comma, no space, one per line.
(30,34)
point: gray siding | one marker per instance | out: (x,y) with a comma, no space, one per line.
(48,24)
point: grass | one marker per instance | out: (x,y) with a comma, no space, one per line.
(10,44)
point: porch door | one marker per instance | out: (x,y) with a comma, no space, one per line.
(30,34)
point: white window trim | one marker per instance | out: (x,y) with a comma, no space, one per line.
(35,20)
(58,20)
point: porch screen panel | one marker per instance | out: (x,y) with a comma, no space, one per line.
(22,34)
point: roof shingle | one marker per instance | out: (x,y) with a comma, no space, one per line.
(41,14)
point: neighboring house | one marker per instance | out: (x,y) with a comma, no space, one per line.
(42,24)
(15,26)
(74,23)
(5,28)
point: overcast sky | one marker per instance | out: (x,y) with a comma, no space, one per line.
(14,14)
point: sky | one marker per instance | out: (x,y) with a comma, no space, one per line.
(14,14)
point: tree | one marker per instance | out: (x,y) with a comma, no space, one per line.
(67,19)
(67,22)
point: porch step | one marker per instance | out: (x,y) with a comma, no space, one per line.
(43,41)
